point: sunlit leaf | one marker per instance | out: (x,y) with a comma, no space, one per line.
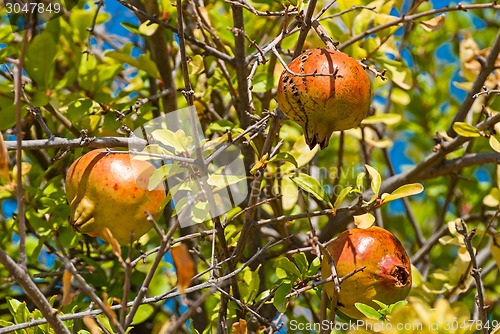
(388,119)
(376,180)
(311,185)
(368,311)
(143,313)
(493,198)
(433,24)
(284,156)
(360,180)
(185,267)
(465,130)
(494,143)
(364,221)
(403,191)
(196,65)
(148,28)
(343,194)
(177,140)
(259,164)
(25,169)
(287,265)
(162,173)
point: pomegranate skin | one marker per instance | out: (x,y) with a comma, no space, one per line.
(386,276)
(323,104)
(109,190)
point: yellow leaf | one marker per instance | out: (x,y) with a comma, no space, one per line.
(185,267)
(240,327)
(148,28)
(389,119)
(364,221)
(259,164)
(66,288)
(495,144)
(433,24)
(403,191)
(493,198)
(25,169)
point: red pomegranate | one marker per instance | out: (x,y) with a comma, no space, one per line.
(386,276)
(337,99)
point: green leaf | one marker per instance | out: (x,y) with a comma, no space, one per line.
(311,185)
(494,143)
(315,266)
(465,130)
(343,194)
(284,156)
(403,191)
(287,265)
(389,119)
(398,72)
(40,57)
(279,300)
(376,179)
(130,27)
(396,305)
(262,82)
(379,303)
(222,126)
(301,262)
(143,313)
(13,304)
(369,311)
(148,28)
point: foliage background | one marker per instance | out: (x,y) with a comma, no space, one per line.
(96,71)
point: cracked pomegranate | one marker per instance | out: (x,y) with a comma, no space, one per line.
(109,190)
(386,276)
(338,99)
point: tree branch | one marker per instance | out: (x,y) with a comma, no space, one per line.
(21,276)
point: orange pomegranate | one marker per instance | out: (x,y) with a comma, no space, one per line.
(110,190)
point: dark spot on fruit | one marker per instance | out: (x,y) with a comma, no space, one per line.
(115,187)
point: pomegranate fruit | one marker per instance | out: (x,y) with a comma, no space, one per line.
(386,276)
(110,190)
(322,104)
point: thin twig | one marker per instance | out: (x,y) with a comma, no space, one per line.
(475,273)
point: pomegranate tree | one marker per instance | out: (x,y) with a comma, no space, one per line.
(327,91)
(110,191)
(386,276)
